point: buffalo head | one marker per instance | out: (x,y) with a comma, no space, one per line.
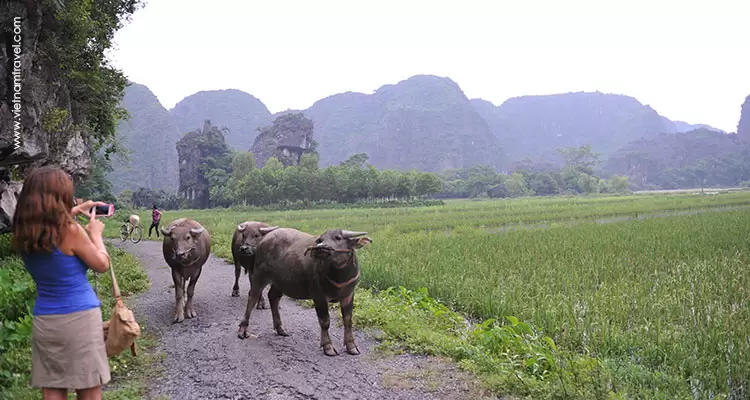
(184,241)
(251,234)
(337,242)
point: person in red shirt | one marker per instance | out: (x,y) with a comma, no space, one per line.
(155,218)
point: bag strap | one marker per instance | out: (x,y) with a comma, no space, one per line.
(115,286)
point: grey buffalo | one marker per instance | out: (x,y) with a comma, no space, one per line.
(302,266)
(186,247)
(244,241)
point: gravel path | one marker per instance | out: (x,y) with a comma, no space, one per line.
(205,359)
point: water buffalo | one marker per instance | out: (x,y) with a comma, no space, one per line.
(244,241)
(186,247)
(303,266)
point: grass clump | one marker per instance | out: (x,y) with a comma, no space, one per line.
(509,355)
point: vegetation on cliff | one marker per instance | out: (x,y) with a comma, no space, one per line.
(70,90)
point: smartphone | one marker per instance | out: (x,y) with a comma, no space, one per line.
(106,210)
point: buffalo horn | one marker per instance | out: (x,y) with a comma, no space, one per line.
(166,232)
(196,231)
(265,230)
(241,227)
(351,234)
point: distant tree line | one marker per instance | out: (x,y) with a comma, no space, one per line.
(241,183)
(350,182)
(535,179)
(234,180)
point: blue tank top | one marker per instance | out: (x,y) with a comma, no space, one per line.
(61,283)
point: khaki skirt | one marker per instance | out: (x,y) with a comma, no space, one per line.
(68,351)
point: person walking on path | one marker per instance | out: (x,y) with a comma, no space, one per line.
(155,218)
(67,344)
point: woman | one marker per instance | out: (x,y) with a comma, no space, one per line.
(155,218)
(68,350)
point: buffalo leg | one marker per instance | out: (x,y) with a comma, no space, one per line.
(274,296)
(189,312)
(321,308)
(179,296)
(347,308)
(261,302)
(236,287)
(256,290)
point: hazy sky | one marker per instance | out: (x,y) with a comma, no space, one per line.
(689,60)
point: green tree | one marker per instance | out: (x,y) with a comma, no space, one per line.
(96,186)
(388,183)
(428,184)
(125,199)
(271,172)
(580,158)
(543,184)
(356,161)
(75,41)
(619,184)
(479,179)
(516,185)
(310,161)
(242,164)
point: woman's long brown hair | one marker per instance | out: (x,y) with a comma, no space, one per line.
(42,218)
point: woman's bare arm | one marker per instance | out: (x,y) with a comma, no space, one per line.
(90,250)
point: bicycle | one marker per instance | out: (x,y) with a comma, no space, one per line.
(127,230)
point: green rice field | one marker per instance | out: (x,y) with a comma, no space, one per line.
(662,299)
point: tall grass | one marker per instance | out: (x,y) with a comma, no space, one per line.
(668,295)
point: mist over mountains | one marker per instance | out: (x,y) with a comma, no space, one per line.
(424,122)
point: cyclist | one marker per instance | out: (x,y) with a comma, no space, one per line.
(134,221)
(155,218)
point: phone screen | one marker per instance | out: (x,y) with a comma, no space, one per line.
(105,210)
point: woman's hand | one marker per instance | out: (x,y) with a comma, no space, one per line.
(94,227)
(85,207)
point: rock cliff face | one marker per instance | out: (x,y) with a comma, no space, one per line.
(38,121)
(290,136)
(424,122)
(197,153)
(236,110)
(743,128)
(149,135)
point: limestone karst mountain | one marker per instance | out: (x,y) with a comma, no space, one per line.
(424,122)
(534,126)
(149,135)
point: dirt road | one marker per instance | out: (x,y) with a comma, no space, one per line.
(205,359)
